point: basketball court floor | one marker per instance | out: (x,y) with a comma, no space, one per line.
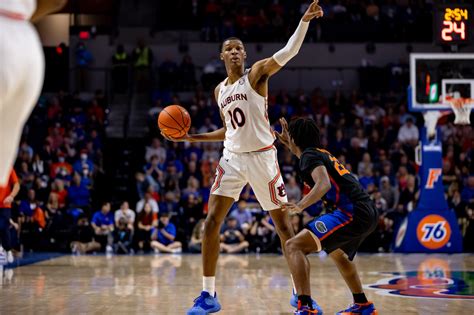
(246,284)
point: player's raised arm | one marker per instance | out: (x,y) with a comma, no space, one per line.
(269,66)
(213,136)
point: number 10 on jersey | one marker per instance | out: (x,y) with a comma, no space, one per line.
(237,117)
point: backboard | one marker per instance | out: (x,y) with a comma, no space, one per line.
(433,76)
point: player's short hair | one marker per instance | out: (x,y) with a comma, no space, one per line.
(305,133)
(230,38)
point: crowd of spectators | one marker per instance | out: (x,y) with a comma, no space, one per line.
(59,159)
(275,20)
(373,135)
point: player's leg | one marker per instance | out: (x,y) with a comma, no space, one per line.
(267,183)
(21,79)
(297,249)
(225,191)
(348,271)
(219,206)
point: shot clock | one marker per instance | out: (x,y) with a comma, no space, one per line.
(453,24)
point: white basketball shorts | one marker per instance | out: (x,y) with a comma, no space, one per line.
(21,80)
(259,169)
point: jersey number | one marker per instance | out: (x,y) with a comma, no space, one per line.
(337,165)
(237,117)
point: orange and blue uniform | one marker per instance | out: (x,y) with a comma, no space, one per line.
(353,216)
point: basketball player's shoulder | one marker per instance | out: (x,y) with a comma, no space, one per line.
(217,90)
(311,158)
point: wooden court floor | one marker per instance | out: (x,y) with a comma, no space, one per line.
(246,284)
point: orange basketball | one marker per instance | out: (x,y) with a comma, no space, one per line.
(174,121)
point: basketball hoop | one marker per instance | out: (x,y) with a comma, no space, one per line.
(462,109)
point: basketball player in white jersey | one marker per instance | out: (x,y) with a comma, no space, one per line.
(249,155)
(21,71)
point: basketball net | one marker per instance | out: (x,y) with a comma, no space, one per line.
(461,109)
(431,119)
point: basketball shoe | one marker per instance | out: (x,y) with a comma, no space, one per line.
(305,310)
(294,303)
(360,308)
(205,304)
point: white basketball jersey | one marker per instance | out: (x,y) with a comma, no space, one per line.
(23,9)
(246,118)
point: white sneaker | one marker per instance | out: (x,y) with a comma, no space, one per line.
(109,249)
(10,258)
(177,250)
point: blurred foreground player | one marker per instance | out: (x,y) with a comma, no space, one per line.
(340,232)
(249,154)
(7,196)
(21,71)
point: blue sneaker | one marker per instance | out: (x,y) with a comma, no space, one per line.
(294,303)
(304,310)
(360,309)
(205,304)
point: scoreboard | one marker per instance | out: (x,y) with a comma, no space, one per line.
(453,24)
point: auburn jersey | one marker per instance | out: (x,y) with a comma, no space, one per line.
(345,188)
(19,9)
(246,119)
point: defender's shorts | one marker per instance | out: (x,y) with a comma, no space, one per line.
(260,169)
(344,230)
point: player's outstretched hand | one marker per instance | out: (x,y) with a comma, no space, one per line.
(293,208)
(184,138)
(284,135)
(313,11)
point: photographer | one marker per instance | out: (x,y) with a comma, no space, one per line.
(262,235)
(232,238)
(163,237)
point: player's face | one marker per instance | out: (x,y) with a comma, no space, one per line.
(233,52)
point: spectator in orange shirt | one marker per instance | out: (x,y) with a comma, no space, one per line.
(7,195)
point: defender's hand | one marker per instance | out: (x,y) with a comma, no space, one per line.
(291,207)
(313,11)
(284,135)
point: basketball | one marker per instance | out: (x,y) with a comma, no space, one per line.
(174,121)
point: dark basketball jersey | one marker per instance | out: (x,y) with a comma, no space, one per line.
(345,188)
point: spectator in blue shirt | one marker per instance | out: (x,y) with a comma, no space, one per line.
(163,237)
(103,224)
(84,160)
(78,194)
(243,215)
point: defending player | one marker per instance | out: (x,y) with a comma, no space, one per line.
(249,155)
(21,71)
(340,232)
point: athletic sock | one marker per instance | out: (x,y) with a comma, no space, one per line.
(305,301)
(359,298)
(209,285)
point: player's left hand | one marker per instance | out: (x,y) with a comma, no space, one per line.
(291,207)
(8,200)
(313,11)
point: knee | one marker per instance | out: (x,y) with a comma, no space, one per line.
(212,224)
(291,246)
